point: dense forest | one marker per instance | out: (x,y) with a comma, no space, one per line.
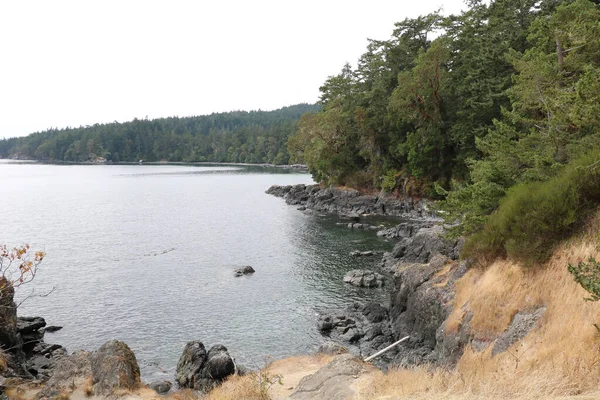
(245,137)
(464,107)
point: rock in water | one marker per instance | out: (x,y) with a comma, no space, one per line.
(52,328)
(114,366)
(244,270)
(200,370)
(364,278)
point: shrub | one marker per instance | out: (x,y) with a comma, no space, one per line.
(588,276)
(533,217)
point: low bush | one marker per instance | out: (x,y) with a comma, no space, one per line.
(533,217)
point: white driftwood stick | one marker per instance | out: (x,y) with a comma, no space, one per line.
(391,346)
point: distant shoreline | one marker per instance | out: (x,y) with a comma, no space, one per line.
(298,167)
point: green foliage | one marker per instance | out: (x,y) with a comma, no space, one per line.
(245,137)
(533,217)
(552,117)
(588,276)
(389,181)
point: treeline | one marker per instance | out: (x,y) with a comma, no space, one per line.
(463,107)
(245,137)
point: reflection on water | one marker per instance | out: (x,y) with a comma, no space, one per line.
(145,254)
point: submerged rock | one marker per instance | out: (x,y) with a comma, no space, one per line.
(52,328)
(201,370)
(357,253)
(243,271)
(364,278)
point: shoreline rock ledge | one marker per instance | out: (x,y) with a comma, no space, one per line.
(345,201)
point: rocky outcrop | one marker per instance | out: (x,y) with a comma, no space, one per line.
(421,301)
(350,201)
(114,367)
(521,324)
(67,370)
(10,340)
(332,382)
(363,328)
(201,370)
(364,278)
(40,357)
(421,247)
(424,269)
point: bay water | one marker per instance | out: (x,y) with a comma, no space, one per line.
(145,254)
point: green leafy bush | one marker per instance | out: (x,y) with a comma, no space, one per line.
(533,217)
(588,276)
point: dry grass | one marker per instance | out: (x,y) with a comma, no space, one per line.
(559,358)
(3,361)
(87,387)
(184,394)
(239,387)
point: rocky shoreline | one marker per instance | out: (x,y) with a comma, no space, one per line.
(419,274)
(350,203)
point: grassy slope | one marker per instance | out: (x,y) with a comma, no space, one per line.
(559,358)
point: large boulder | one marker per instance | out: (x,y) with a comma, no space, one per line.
(114,366)
(201,370)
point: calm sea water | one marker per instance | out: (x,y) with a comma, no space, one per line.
(145,254)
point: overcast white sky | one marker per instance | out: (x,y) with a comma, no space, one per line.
(72,63)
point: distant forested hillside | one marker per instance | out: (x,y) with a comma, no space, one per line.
(239,136)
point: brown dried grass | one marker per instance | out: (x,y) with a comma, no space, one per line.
(559,358)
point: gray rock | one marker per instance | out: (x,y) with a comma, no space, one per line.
(244,270)
(522,323)
(219,364)
(362,328)
(364,278)
(30,324)
(161,387)
(421,301)
(114,367)
(331,348)
(242,370)
(201,370)
(9,335)
(332,382)
(52,328)
(65,371)
(425,244)
(349,202)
